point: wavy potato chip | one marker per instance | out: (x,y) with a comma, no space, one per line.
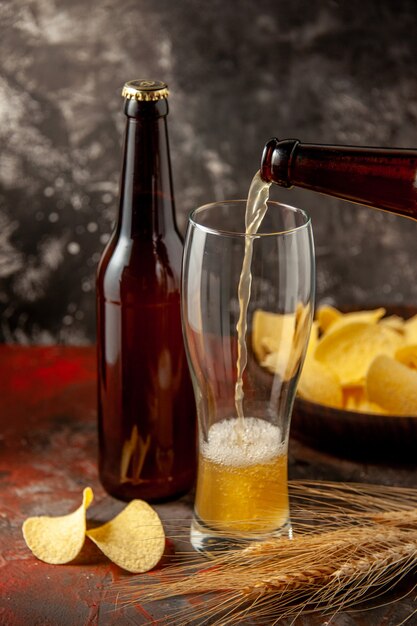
(284,352)
(134,539)
(58,540)
(320,384)
(313,340)
(278,355)
(271,331)
(410,330)
(393,321)
(302,335)
(277,362)
(353,397)
(392,385)
(364,317)
(370,407)
(350,349)
(408,356)
(326,316)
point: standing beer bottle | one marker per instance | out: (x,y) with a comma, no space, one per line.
(146,409)
(383,178)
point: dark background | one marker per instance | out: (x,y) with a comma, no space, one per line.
(239,72)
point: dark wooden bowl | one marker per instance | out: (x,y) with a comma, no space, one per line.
(361,436)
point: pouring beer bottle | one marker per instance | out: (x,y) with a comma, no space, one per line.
(146,408)
(382,178)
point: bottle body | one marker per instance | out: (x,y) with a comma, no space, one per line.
(146,408)
(382,178)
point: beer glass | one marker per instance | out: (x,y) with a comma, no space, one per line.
(242,491)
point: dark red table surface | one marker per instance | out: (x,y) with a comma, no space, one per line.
(48,448)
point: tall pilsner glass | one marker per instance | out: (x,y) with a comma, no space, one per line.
(242,490)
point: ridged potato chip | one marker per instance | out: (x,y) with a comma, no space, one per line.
(410,330)
(277,362)
(134,539)
(353,397)
(302,333)
(58,540)
(393,321)
(370,407)
(392,385)
(326,316)
(313,340)
(364,317)
(279,340)
(349,350)
(271,331)
(408,356)
(320,384)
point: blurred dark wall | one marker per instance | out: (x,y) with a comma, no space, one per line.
(239,72)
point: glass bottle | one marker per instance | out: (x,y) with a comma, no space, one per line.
(383,178)
(146,408)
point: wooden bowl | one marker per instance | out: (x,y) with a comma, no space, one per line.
(361,436)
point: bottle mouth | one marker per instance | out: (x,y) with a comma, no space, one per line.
(277,159)
(266,160)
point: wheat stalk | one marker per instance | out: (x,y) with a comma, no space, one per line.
(351,542)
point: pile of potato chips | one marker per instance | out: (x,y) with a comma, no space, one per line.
(134,539)
(360,361)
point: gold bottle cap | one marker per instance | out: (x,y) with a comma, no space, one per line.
(145,90)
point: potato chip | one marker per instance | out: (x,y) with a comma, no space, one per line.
(392,385)
(393,321)
(58,540)
(370,407)
(410,330)
(320,384)
(302,333)
(313,340)
(350,404)
(277,362)
(271,331)
(408,356)
(283,351)
(353,397)
(350,349)
(269,344)
(365,317)
(326,316)
(134,539)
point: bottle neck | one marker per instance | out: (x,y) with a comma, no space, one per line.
(381,178)
(146,191)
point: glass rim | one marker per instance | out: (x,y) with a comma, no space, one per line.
(237,233)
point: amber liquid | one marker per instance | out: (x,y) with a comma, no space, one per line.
(146,434)
(242,478)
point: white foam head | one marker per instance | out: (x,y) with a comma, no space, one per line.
(242,442)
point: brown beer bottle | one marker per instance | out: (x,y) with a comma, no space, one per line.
(383,178)
(146,408)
